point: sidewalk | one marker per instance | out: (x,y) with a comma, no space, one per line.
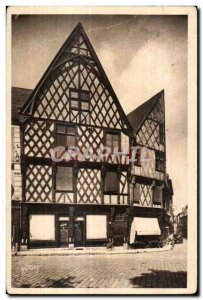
(87,251)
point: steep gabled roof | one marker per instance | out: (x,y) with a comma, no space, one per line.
(18,98)
(60,57)
(139,115)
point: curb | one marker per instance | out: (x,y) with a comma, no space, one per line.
(94,252)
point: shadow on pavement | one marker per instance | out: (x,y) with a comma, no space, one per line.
(54,283)
(160,279)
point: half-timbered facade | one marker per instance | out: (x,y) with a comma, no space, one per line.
(150,187)
(71,199)
(72,105)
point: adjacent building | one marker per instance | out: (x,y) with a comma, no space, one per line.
(182,222)
(87,199)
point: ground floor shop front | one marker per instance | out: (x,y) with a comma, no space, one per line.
(77,226)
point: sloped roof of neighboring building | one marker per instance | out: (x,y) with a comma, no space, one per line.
(138,115)
(18,97)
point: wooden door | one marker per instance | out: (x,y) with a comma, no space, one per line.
(63,233)
(79,233)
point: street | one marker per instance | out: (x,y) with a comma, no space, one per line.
(142,270)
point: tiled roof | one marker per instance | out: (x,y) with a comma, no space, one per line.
(138,115)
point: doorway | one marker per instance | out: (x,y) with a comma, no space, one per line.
(79,233)
(63,233)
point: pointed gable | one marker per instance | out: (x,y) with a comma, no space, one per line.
(76,89)
(148,122)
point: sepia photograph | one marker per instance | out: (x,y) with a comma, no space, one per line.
(102,192)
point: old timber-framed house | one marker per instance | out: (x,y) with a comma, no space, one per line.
(78,203)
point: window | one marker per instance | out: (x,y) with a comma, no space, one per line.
(138,157)
(65,136)
(79,100)
(135,193)
(111,182)
(160,161)
(112,140)
(157,195)
(120,217)
(64,179)
(42,227)
(161,133)
(96,227)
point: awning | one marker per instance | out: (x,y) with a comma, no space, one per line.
(144,226)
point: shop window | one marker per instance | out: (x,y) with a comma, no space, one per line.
(42,227)
(96,227)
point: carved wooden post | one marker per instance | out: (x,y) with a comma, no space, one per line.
(71,227)
(103,171)
(53,182)
(75,177)
(128,221)
(119,177)
(111,224)
(24,227)
(129,180)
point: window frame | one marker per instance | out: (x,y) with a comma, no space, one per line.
(159,156)
(113,133)
(66,134)
(161,133)
(159,189)
(133,193)
(137,163)
(64,190)
(79,99)
(115,192)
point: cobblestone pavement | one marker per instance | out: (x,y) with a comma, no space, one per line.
(141,270)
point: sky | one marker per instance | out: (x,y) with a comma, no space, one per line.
(140,54)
